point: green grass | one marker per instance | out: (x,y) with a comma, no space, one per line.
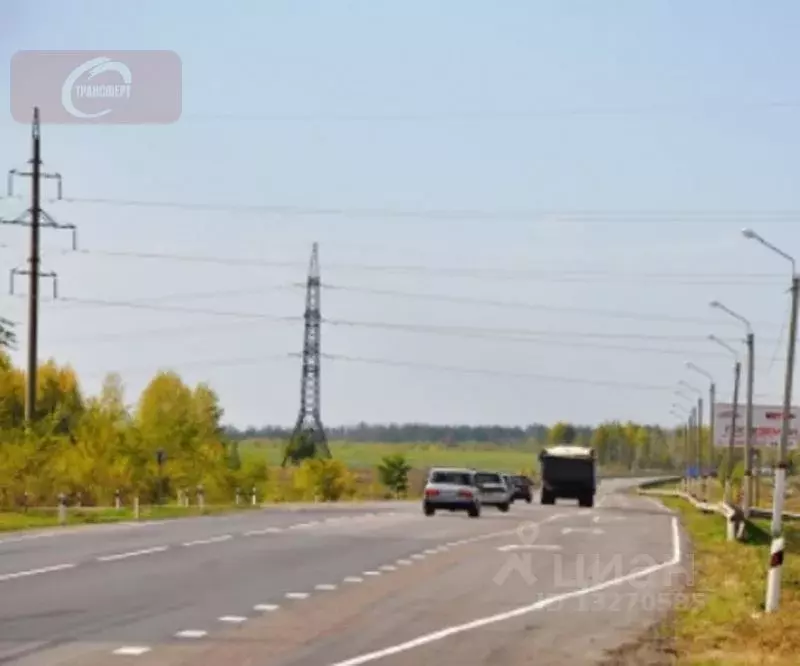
(420,456)
(722,622)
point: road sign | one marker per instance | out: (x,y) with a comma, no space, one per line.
(767,421)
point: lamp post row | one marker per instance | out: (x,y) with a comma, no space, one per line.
(693,431)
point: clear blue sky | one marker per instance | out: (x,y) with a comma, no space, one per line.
(675,123)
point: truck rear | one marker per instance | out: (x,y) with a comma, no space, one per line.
(568,472)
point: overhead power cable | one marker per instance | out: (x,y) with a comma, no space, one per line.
(551,214)
(542,275)
(500,373)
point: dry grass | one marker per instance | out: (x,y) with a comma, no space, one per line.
(724,623)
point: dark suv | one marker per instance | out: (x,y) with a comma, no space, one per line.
(520,487)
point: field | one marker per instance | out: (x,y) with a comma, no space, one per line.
(419,456)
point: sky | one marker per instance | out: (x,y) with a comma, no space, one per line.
(564,183)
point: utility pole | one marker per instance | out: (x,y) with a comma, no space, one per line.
(737,370)
(748,427)
(700,470)
(35,218)
(778,544)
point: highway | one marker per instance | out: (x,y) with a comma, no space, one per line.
(342,585)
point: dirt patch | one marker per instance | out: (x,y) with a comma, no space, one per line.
(655,647)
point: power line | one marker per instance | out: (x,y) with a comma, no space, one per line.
(482,371)
(506,332)
(522,305)
(560,215)
(458,330)
(546,275)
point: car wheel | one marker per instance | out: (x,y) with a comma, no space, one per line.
(528,499)
(503,507)
(474,512)
(547,498)
(429,510)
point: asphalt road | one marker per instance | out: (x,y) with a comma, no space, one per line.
(342,586)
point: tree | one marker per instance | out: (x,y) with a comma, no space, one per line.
(393,471)
(8,335)
(563,433)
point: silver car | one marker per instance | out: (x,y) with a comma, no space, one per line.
(494,490)
(451,489)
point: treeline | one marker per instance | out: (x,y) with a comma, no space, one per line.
(396,433)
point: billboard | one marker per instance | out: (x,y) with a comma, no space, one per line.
(766,425)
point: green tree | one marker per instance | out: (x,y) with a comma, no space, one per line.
(562,433)
(393,471)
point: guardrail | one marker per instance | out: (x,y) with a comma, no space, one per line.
(733,514)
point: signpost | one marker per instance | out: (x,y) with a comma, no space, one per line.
(767,421)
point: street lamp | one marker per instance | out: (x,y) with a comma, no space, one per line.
(748,414)
(712,392)
(774,576)
(737,370)
(698,436)
(683,417)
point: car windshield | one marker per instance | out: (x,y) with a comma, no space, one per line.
(484,477)
(458,478)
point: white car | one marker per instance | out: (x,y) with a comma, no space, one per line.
(451,489)
(494,490)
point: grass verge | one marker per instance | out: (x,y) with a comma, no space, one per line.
(723,621)
(48,517)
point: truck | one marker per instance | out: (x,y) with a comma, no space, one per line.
(568,472)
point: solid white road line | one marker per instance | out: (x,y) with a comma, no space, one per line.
(517,612)
(266,608)
(297,595)
(233,619)
(191,633)
(132,650)
(133,553)
(36,572)
(203,542)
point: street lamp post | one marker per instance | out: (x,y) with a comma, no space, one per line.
(748,414)
(699,438)
(712,397)
(690,436)
(737,370)
(683,415)
(774,576)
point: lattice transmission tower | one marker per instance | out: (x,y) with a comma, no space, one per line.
(308,429)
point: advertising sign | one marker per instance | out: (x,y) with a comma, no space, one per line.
(767,423)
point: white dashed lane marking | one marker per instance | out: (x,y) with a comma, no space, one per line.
(133,553)
(203,542)
(191,633)
(132,650)
(372,573)
(353,579)
(297,595)
(36,572)
(232,619)
(265,608)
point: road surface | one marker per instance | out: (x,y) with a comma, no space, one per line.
(342,586)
